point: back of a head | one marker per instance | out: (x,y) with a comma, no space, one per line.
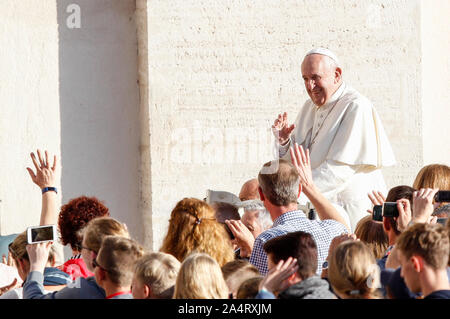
(249,190)
(298,245)
(353,272)
(372,233)
(118,255)
(431,242)
(396,193)
(200,277)
(99,228)
(237,271)
(280,182)
(193,226)
(158,271)
(249,288)
(433,176)
(75,215)
(226,211)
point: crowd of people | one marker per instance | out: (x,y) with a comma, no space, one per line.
(269,249)
(268,245)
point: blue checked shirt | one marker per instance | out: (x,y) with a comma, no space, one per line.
(323,233)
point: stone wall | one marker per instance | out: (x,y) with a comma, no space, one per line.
(220,71)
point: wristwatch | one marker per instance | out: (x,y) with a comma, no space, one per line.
(48,189)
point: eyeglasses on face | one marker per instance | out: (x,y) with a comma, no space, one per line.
(95,264)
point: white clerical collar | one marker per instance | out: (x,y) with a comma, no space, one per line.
(333,98)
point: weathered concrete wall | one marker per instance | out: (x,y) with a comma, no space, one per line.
(72,91)
(220,71)
(436,81)
(29,105)
(99,106)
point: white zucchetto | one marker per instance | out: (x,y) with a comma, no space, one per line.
(325,52)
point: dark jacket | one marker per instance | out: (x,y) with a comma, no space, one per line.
(311,288)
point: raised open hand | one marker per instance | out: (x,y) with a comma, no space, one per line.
(276,279)
(45,175)
(301,161)
(377,198)
(281,128)
(243,237)
(15,284)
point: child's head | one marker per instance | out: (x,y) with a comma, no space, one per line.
(155,276)
(116,261)
(200,277)
(93,234)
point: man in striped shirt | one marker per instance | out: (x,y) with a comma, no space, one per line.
(280,184)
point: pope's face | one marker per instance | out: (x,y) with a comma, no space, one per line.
(321,78)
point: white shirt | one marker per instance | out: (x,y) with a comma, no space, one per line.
(350,146)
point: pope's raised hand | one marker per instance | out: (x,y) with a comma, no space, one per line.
(281,128)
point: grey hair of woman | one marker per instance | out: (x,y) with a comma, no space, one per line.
(264,218)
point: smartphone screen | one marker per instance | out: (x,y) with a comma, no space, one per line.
(40,234)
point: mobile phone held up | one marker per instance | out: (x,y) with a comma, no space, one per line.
(388,209)
(41,234)
(442,196)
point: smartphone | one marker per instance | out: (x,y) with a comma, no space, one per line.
(442,196)
(41,234)
(390,209)
(378,213)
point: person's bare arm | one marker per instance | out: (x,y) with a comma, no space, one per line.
(324,208)
(45,176)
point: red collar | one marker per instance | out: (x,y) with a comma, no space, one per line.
(118,293)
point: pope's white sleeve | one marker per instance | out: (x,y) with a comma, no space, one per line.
(332,177)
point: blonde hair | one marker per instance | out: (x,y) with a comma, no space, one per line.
(200,277)
(158,271)
(98,228)
(18,248)
(192,226)
(372,233)
(433,176)
(118,256)
(353,272)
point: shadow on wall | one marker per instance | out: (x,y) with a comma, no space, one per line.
(99,105)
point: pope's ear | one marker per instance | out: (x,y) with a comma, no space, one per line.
(338,74)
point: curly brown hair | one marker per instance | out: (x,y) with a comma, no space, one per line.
(193,226)
(75,215)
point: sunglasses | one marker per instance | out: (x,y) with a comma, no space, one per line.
(95,264)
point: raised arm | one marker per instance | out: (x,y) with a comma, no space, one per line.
(324,208)
(45,178)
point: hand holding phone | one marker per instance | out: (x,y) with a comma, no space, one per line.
(423,204)
(40,234)
(38,255)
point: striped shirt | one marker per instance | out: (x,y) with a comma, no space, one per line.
(323,233)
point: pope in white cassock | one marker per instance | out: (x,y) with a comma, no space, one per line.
(343,132)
